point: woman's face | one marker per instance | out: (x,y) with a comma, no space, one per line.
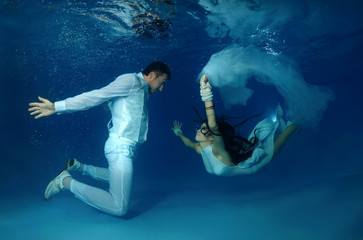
(203,133)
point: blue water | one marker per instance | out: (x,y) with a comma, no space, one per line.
(57,49)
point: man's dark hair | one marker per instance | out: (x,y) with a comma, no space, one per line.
(158,67)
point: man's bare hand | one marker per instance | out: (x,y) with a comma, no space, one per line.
(41,109)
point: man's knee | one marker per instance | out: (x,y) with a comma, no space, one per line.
(120,211)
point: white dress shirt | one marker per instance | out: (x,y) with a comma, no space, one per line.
(128,95)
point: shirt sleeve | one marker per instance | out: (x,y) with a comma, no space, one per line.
(122,86)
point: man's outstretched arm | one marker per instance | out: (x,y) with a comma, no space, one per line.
(41,109)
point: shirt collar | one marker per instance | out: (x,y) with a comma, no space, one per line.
(140,75)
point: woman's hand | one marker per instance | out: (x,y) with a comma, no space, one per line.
(177,127)
(205,89)
(41,109)
(204,80)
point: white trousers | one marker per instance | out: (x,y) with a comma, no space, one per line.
(120,155)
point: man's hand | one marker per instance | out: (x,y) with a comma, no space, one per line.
(41,109)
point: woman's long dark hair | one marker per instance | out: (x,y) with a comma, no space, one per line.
(239,148)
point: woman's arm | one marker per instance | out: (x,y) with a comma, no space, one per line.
(207,98)
(186,141)
(218,143)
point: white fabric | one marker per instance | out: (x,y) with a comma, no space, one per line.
(119,175)
(128,96)
(122,86)
(265,131)
(97,173)
(206,92)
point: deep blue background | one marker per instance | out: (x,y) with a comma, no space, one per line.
(54,52)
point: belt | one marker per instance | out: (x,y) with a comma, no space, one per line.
(126,140)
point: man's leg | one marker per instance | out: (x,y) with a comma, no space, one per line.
(97,173)
(115,201)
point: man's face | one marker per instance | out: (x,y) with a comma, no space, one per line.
(157,82)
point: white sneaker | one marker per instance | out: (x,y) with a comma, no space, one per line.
(56,185)
(72,164)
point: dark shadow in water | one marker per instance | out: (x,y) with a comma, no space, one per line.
(143,202)
(355,231)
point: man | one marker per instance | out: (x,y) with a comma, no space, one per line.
(128,96)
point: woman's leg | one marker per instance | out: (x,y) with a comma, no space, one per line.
(284,136)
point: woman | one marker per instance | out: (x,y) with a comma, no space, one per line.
(226,154)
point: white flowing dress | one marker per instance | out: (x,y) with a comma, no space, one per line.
(265,131)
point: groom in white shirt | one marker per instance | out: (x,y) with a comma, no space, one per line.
(128,97)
